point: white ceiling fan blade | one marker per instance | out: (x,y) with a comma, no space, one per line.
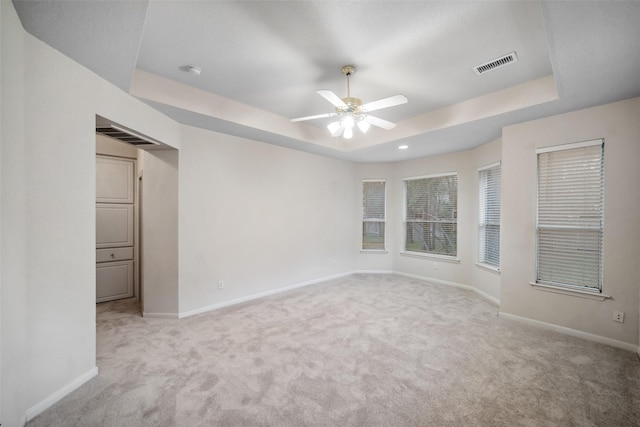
(332,98)
(317,116)
(337,130)
(392,101)
(381,123)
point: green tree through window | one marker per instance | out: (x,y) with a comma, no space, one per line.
(431,215)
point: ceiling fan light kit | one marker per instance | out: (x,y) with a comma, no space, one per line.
(351,112)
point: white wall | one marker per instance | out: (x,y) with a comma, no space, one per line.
(484,280)
(619,125)
(159,232)
(377,260)
(2,108)
(47,218)
(49,105)
(465,272)
(436,268)
(259,217)
(13,293)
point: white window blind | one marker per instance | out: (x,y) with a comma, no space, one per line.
(489,216)
(571,215)
(373,215)
(431,214)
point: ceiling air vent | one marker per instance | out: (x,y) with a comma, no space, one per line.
(496,63)
(125,135)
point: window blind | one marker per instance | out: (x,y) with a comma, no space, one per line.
(489,215)
(373,215)
(431,214)
(571,215)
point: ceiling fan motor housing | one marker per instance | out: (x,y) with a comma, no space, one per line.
(348,70)
(353,105)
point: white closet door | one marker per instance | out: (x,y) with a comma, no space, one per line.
(114,225)
(114,254)
(115,198)
(114,180)
(114,280)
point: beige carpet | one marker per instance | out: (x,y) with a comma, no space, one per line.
(365,350)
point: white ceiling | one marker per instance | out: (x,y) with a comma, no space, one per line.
(262,62)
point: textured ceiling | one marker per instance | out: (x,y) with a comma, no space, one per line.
(262,62)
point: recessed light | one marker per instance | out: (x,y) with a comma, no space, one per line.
(402,147)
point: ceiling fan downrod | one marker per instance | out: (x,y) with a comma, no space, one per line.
(353,104)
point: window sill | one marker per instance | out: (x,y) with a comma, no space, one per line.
(374,251)
(488,267)
(431,256)
(570,292)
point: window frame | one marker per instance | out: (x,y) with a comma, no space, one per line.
(425,254)
(382,222)
(483,207)
(572,227)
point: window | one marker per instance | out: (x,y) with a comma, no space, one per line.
(570,215)
(431,214)
(489,215)
(373,213)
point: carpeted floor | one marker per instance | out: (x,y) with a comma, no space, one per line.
(365,350)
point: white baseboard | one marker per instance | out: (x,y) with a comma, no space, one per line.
(573,332)
(160,315)
(373,272)
(485,296)
(568,331)
(235,301)
(48,402)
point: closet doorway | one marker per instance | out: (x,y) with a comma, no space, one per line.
(117,224)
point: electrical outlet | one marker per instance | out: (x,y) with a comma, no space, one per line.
(618,316)
(221,284)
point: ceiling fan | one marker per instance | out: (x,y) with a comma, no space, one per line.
(352,112)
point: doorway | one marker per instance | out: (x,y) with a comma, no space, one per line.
(117,221)
(155,262)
